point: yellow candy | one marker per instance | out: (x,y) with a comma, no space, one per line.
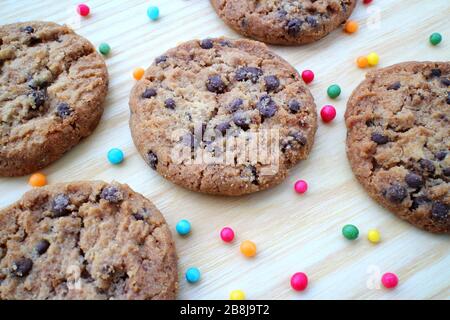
(373,59)
(237,295)
(374,236)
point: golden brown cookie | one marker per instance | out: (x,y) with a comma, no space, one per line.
(222,116)
(284,21)
(85,240)
(398,141)
(52,85)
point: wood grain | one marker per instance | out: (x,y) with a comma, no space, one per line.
(293,233)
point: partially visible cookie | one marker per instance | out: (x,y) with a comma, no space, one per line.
(398,141)
(222,116)
(52,85)
(85,240)
(284,21)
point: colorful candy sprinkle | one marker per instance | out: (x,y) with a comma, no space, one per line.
(435,38)
(350,232)
(248,248)
(328,113)
(83,10)
(183,227)
(301,186)
(104,48)
(37,180)
(307,76)
(373,59)
(192,275)
(237,295)
(389,280)
(115,156)
(362,62)
(351,26)
(227,234)
(299,281)
(334,91)
(138,73)
(153,13)
(374,236)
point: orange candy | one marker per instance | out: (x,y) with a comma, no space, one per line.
(351,26)
(138,73)
(248,248)
(37,180)
(362,62)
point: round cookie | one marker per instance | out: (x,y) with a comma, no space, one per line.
(398,141)
(282,21)
(222,116)
(85,240)
(52,85)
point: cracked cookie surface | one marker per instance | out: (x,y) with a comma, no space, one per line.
(207,98)
(398,141)
(85,240)
(52,85)
(283,21)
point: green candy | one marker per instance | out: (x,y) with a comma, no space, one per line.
(350,232)
(435,39)
(334,91)
(104,48)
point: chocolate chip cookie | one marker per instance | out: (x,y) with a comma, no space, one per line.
(284,22)
(398,141)
(222,116)
(85,240)
(52,85)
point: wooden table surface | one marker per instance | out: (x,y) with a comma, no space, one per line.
(293,233)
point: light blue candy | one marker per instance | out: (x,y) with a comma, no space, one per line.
(183,227)
(115,156)
(192,275)
(153,13)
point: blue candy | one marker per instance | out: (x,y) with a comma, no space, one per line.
(183,227)
(115,156)
(192,275)
(153,13)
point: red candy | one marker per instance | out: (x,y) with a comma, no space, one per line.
(301,186)
(367,1)
(299,281)
(308,76)
(389,280)
(83,10)
(227,234)
(328,113)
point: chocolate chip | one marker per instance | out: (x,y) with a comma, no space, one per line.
(225,43)
(22,267)
(27,29)
(445,81)
(59,205)
(439,211)
(206,44)
(418,201)
(39,97)
(215,84)
(379,138)
(169,103)
(42,246)
(149,93)
(440,155)
(138,216)
(111,194)
(241,120)
(248,73)
(413,180)
(427,165)
(396,193)
(223,127)
(282,13)
(294,106)
(266,106)
(254,174)
(446,171)
(448,97)
(436,72)
(235,104)
(152,159)
(394,86)
(272,83)
(161,59)
(299,137)
(34,40)
(63,110)
(293,26)
(311,21)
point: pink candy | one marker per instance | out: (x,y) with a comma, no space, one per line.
(299,281)
(389,280)
(227,234)
(328,113)
(308,76)
(83,10)
(301,186)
